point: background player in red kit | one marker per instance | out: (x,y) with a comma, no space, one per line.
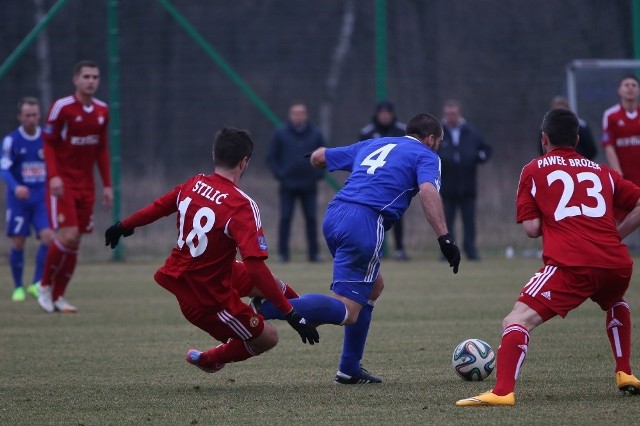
(75,138)
(215,220)
(569,201)
(621,131)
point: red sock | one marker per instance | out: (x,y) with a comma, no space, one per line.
(511,354)
(232,351)
(288,291)
(619,334)
(54,262)
(64,276)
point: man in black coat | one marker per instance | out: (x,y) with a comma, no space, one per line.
(298,180)
(462,149)
(385,123)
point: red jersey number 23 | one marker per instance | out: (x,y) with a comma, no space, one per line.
(564,210)
(198,245)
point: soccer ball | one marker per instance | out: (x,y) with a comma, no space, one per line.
(473,360)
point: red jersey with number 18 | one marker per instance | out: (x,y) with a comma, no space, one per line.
(574,198)
(215,220)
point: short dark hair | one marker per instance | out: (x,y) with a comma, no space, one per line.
(230,146)
(28,100)
(561,126)
(423,125)
(85,63)
(629,76)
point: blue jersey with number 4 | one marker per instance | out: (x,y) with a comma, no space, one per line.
(385,173)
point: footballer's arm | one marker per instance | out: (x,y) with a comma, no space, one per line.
(432,205)
(532,227)
(318,158)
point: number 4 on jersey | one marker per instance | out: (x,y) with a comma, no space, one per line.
(376,158)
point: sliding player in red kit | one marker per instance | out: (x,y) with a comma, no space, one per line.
(569,201)
(75,139)
(215,221)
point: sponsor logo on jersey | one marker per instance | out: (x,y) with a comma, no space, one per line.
(630,141)
(33,171)
(262,242)
(253,322)
(85,140)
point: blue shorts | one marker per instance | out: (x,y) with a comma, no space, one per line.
(354,235)
(23,214)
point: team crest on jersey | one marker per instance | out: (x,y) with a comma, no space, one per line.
(101,120)
(60,218)
(47,129)
(262,242)
(253,322)
(41,154)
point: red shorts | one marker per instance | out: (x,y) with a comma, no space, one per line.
(562,289)
(235,321)
(74,208)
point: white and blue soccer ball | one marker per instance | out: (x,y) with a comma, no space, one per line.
(473,360)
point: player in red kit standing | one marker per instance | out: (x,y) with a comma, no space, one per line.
(569,201)
(75,139)
(621,131)
(215,221)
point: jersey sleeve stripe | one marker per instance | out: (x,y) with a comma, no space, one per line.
(57,107)
(254,207)
(607,113)
(100,102)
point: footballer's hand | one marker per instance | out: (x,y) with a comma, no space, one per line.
(56,186)
(304,329)
(113,233)
(107,198)
(450,251)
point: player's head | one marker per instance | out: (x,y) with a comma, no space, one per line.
(427,129)
(559,102)
(298,115)
(29,113)
(560,128)
(86,78)
(452,112)
(629,88)
(385,113)
(232,147)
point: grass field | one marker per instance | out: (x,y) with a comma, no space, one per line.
(120,360)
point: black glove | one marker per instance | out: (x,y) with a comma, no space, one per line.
(450,251)
(113,233)
(304,329)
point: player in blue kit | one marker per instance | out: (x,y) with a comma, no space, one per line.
(23,170)
(386,173)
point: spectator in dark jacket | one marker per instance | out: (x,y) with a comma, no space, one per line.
(587,146)
(462,149)
(298,180)
(385,123)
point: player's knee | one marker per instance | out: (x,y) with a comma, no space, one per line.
(268,339)
(18,243)
(70,240)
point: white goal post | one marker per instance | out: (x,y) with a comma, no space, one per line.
(578,64)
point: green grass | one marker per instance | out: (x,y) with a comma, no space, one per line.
(120,360)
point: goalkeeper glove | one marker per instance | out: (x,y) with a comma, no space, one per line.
(113,233)
(305,330)
(450,251)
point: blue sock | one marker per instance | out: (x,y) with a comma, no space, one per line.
(316,308)
(355,337)
(16,260)
(41,256)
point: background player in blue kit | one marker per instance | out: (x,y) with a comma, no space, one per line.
(23,170)
(386,173)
